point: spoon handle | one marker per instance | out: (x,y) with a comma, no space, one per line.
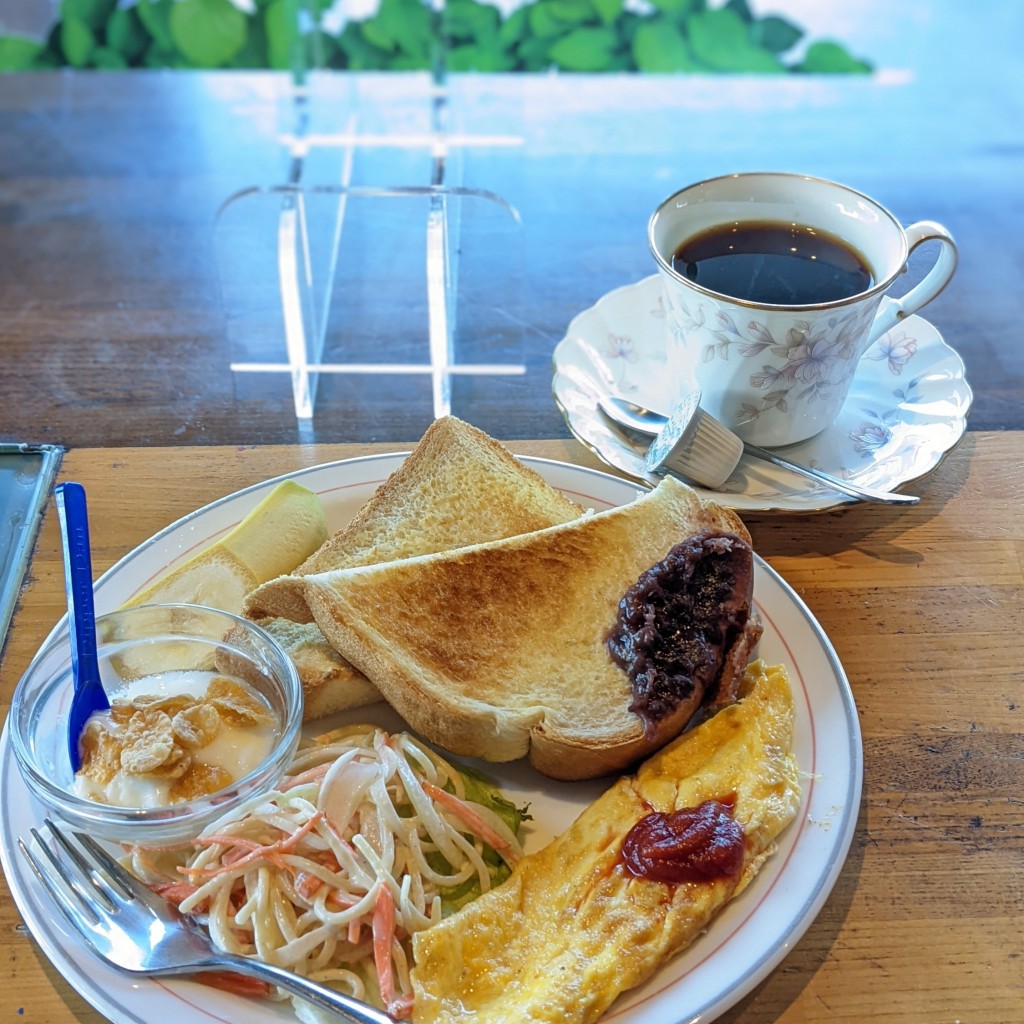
(650,423)
(854,490)
(74,525)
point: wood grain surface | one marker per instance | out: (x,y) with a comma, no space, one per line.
(924,607)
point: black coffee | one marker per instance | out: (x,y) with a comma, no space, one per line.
(778,264)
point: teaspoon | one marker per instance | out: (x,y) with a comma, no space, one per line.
(89,695)
(650,423)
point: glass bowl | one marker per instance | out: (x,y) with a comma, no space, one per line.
(133,645)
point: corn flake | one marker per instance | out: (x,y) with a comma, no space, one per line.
(121,711)
(178,762)
(200,780)
(170,704)
(196,726)
(235,704)
(101,752)
(148,740)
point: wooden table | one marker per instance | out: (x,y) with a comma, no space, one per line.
(924,607)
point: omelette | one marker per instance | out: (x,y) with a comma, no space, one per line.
(583,919)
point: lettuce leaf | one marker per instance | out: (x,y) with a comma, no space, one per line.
(484,791)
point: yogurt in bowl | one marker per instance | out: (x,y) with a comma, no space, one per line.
(173,737)
(206,711)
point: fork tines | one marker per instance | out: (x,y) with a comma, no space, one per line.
(90,882)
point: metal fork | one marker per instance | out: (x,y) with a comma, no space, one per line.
(136,931)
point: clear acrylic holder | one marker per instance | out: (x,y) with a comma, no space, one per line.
(335,279)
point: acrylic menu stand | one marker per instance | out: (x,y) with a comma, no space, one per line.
(359,276)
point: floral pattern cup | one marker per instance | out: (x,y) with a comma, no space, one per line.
(780,374)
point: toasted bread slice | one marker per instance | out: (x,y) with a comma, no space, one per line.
(499,650)
(457,487)
(329,682)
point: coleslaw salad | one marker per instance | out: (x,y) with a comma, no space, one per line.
(370,838)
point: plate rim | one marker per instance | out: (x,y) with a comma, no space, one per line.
(96,994)
(827,502)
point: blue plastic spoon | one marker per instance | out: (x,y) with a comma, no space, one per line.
(89,694)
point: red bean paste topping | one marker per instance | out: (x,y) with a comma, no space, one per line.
(695,844)
(677,622)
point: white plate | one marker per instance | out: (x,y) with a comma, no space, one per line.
(907,406)
(742,946)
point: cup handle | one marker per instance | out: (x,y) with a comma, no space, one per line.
(892,311)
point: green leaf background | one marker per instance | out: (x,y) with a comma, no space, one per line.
(208,33)
(675,36)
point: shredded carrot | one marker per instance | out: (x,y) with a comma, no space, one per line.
(472,820)
(401,1007)
(306,884)
(270,852)
(227,840)
(336,899)
(175,892)
(239,984)
(238,899)
(326,859)
(309,775)
(383,927)
(231,856)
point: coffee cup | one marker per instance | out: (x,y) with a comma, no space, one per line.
(775,286)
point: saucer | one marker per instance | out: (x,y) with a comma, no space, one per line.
(907,406)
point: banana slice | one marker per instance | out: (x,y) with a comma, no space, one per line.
(280,533)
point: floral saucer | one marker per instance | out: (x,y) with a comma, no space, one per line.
(906,409)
